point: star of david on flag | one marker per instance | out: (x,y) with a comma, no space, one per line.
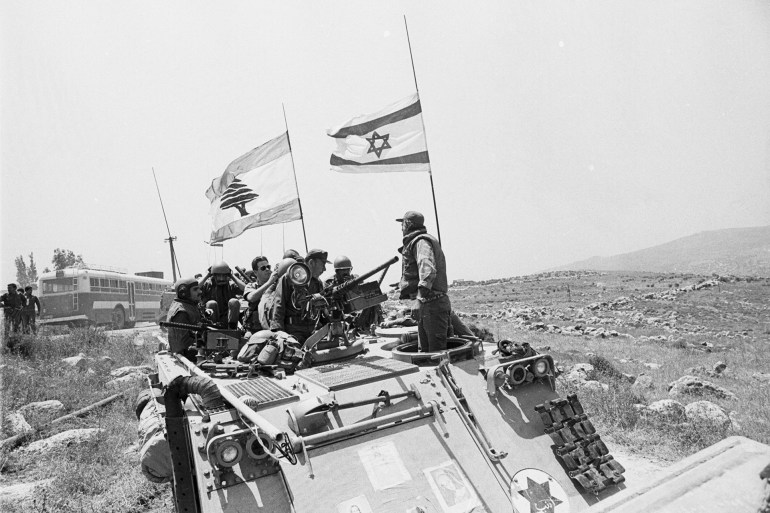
(389,141)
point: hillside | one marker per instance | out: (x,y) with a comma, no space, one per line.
(737,251)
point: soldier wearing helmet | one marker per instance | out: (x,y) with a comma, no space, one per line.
(288,309)
(219,293)
(343,271)
(424,279)
(184,309)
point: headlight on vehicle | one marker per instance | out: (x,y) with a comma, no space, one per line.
(517,374)
(229,453)
(540,367)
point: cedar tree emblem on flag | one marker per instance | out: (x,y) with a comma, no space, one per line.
(267,169)
(391,140)
(236,196)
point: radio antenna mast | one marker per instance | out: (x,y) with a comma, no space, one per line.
(170,240)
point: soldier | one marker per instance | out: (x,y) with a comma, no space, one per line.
(289,313)
(343,269)
(266,306)
(263,280)
(424,279)
(184,309)
(219,294)
(28,313)
(13,303)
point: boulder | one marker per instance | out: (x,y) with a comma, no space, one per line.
(64,439)
(579,372)
(51,407)
(693,385)
(106,361)
(667,410)
(706,412)
(595,386)
(17,424)
(122,371)
(80,361)
(126,381)
(643,382)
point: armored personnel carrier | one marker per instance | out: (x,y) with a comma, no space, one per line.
(367,423)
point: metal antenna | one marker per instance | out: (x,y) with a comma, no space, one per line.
(170,240)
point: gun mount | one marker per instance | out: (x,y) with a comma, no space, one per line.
(334,303)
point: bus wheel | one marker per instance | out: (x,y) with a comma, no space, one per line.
(118,318)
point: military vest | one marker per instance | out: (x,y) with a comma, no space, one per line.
(180,339)
(410,275)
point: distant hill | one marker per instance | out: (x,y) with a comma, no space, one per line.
(738,251)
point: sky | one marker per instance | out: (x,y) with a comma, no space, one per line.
(557,130)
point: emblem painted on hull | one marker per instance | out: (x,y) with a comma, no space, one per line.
(534,491)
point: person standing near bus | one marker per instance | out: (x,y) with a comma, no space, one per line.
(13,303)
(28,313)
(219,294)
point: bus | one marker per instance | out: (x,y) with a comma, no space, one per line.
(79,296)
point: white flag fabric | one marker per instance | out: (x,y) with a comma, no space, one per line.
(388,141)
(256,189)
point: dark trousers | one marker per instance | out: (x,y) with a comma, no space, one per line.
(12,319)
(232,315)
(433,323)
(28,322)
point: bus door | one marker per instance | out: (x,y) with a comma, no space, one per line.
(131,302)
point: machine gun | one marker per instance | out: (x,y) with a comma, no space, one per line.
(335,301)
(211,340)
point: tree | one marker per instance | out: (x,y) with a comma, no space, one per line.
(63,258)
(26,274)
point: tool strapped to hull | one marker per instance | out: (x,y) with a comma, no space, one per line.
(578,446)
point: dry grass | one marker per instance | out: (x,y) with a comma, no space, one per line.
(102,476)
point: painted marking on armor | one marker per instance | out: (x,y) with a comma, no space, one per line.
(535,491)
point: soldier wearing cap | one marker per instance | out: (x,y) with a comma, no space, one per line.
(289,313)
(424,279)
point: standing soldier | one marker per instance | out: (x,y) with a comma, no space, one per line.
(184,310)
(13,303)
(28,313)
(424,279)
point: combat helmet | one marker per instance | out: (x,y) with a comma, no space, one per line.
(183,286)
(342,262)
(220,267)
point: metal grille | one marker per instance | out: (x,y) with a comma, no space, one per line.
(264,390)
(337,376)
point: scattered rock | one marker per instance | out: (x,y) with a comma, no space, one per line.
(17,424)
(667,410)
(122,371)
(643,382)
(595,386)
(80,361)
(126,381)
(706,412)
(693,385)
(719,368)
(51,407)
(64,439)
(18,492)
(579,372)
(735,420)
(653,366)
(761,376)
(107,361)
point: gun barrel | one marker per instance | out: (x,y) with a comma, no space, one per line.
(352,283)
(182,326)
(243,274)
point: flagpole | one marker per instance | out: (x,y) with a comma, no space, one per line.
(294,170)
(430,172)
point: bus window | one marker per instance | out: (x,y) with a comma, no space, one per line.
(103,282)
(74,283)
(114,284)
(94,282)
